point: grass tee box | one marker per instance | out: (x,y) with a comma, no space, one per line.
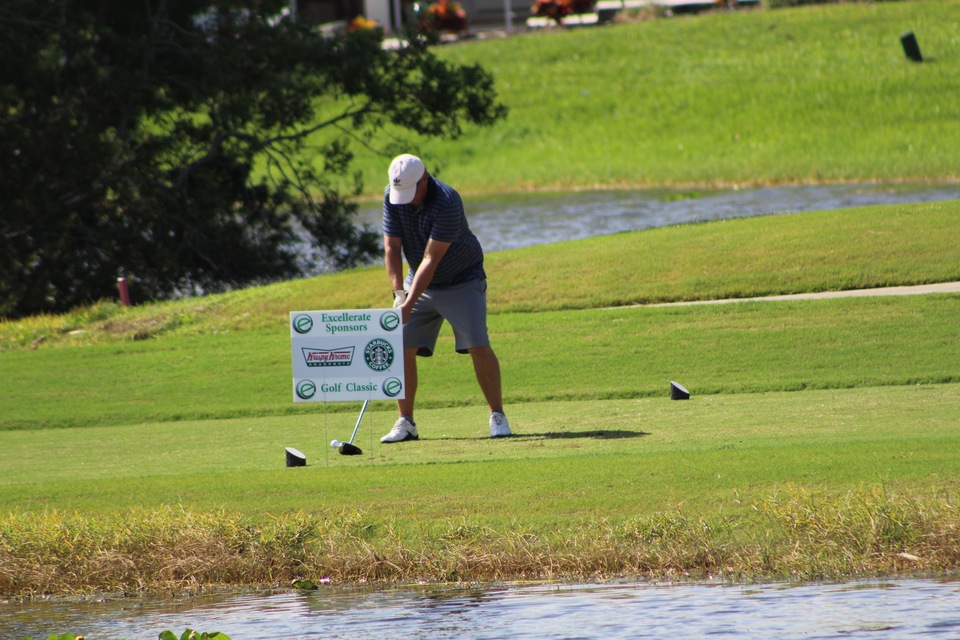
(571,460)
(811,485)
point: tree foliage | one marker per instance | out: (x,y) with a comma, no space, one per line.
(166,140)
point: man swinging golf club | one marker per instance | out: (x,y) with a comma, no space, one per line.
(423,219)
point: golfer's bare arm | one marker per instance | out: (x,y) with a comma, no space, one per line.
(393,259)
(421,279)
(428,266)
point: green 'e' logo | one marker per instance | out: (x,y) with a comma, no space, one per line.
(306,389)
(392,387)
(390,320)
(302,323)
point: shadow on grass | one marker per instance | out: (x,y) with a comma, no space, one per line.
(598,434)
(601,434)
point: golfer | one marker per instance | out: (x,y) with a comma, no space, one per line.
(423,218)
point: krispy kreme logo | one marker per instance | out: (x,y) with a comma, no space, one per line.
(341,357)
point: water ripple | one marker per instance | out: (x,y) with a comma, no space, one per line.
(517,220)
(899,608)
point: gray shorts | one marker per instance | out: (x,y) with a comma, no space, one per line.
(464,306)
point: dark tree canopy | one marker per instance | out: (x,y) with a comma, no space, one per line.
(164,140)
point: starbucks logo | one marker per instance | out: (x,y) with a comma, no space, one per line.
(302,323)
(390,320)
(306,389)
(378,354)
(392,387)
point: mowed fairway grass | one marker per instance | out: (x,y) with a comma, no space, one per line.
(144,448)
(801,95)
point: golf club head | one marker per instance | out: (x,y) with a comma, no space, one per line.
(347,449)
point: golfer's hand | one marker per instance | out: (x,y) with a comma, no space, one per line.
(399,296)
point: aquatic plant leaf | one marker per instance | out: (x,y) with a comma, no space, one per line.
(307,585)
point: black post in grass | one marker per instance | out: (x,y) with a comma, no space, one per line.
(911,47)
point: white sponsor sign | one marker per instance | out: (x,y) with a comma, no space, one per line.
(347,355)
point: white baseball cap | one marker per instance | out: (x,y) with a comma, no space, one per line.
(405,172)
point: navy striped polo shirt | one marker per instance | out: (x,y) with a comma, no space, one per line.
(442,218)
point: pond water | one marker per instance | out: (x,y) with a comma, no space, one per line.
(909,608)
(517,220)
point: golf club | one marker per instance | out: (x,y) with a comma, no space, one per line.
(348,448)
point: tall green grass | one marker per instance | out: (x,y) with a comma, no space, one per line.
(820,535)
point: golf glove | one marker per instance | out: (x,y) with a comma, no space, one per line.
(399,295)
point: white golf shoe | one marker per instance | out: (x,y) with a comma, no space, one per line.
(402,431)
(499,427)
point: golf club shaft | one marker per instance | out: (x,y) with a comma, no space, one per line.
(359,420)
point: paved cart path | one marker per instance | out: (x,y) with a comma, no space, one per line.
(940,287)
